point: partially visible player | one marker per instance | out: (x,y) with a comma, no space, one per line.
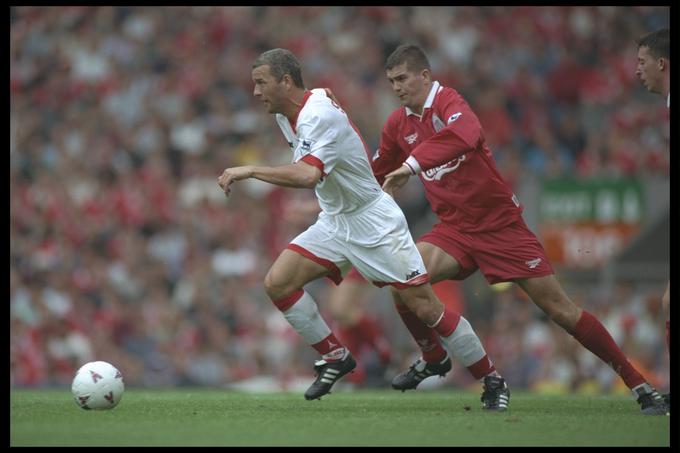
(359,225)
(654,70)
(358,328)
(437,136)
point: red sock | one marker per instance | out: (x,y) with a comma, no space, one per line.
(328,345)
(447,323)
(425,337)
(351,339)
(594,337)
(371,331)
(481,368)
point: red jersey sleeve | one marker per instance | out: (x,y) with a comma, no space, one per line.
(389,155)
(461,133)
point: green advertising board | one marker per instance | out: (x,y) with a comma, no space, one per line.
(594,201)
(582,223)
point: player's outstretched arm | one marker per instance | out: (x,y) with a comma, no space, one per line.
(299,175)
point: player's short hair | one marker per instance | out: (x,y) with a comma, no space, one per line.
(281,62)
(658,42)
(412,55)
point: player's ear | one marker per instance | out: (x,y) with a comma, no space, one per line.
(287,81)
(426,74)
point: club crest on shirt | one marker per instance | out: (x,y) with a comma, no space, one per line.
(437,123)
(435,174)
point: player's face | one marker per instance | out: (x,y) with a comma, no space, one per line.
(410,87)
(267,90)
(648,70)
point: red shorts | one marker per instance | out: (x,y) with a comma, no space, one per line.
(503,255)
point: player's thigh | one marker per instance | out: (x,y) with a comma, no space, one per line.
(290,272)
(439,264)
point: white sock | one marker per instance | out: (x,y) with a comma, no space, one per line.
(305,318)
(464,344)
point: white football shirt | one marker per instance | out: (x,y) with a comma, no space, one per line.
(324,136)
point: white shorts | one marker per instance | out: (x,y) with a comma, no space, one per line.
(375,240)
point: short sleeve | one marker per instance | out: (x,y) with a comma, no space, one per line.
(317,142)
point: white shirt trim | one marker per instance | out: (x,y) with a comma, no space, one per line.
(413,164)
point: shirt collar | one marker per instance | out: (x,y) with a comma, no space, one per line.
(293,124)
(428,101)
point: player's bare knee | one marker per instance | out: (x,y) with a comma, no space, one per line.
(425,308)
(277,287)
(563,312)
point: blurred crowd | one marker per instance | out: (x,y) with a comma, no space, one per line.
(123,247)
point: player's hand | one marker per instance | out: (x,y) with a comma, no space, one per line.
(233,174)
(396,179)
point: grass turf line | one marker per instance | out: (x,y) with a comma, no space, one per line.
(367,417)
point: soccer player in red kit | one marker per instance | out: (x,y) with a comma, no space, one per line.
(654,70)
(436,136)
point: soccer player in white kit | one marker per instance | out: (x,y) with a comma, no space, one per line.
(359,224)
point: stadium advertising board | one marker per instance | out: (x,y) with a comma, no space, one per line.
(584,222)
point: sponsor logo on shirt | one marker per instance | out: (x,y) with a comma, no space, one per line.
(306,145)
(411,139)
(435,174)
(413,275)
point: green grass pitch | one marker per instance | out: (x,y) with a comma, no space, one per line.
(203,417)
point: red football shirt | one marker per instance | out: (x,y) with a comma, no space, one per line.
(447,144)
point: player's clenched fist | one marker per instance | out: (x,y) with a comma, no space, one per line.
(233,174)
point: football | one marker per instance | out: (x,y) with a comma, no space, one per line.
(97,386)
